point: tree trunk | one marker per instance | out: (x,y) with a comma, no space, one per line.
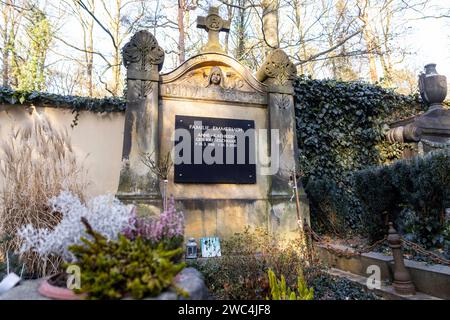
(370,43)
(301,33)
(90,53)
(5,55)
(240,31)
(227,34)
(385,57)
(270,24)
(181,32)
(116,53)
(371,55)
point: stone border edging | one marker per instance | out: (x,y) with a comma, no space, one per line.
(433,279)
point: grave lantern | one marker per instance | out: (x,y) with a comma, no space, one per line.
(191,249)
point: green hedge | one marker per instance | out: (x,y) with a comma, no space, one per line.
(76,103)
(414,193)
(341,128)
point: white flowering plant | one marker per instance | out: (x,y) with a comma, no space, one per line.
(105,213)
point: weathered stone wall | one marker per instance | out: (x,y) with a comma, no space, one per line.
(97,140)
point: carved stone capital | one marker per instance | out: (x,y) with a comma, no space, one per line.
(142,55)
(277,71)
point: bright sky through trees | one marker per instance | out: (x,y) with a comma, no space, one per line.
(385,41)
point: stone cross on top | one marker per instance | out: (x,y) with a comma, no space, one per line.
(214,24)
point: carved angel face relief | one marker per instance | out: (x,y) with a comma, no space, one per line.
(215,77)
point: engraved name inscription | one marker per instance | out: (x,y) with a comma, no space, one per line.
(196,92)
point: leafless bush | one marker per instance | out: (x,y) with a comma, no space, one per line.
(37,162)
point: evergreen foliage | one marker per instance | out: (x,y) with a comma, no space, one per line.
(414,193)
(30,73)
(117,269)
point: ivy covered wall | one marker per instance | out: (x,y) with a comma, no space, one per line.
(341,128)
(76,103)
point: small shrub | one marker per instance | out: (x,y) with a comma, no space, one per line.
(116,269)
(280,291)
(37,162)
(167,228)
(417,189)
(338,212)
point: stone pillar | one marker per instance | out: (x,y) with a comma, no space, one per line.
(402,280)
(278,73)
(143,58)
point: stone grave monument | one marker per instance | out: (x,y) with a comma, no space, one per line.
(230,134)
(430,130)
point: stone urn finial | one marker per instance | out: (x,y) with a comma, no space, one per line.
(433,86)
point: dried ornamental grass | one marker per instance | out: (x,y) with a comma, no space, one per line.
(37,162)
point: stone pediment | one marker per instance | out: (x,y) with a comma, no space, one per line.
(213,76)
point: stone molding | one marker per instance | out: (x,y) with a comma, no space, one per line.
(210,59)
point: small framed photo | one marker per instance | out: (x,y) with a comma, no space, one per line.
(210,247)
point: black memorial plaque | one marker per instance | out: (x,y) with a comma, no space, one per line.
(215,133)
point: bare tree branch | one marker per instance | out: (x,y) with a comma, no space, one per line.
(82,5)
(337,45)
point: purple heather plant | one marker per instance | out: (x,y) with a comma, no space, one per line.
(167,228)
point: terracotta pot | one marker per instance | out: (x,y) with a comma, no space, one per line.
(59,293)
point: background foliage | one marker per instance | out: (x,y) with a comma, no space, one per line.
(341,128)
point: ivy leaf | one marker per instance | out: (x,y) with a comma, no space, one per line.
(12,100)
(33,95)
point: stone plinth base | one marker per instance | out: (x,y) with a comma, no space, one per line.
(223,218)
